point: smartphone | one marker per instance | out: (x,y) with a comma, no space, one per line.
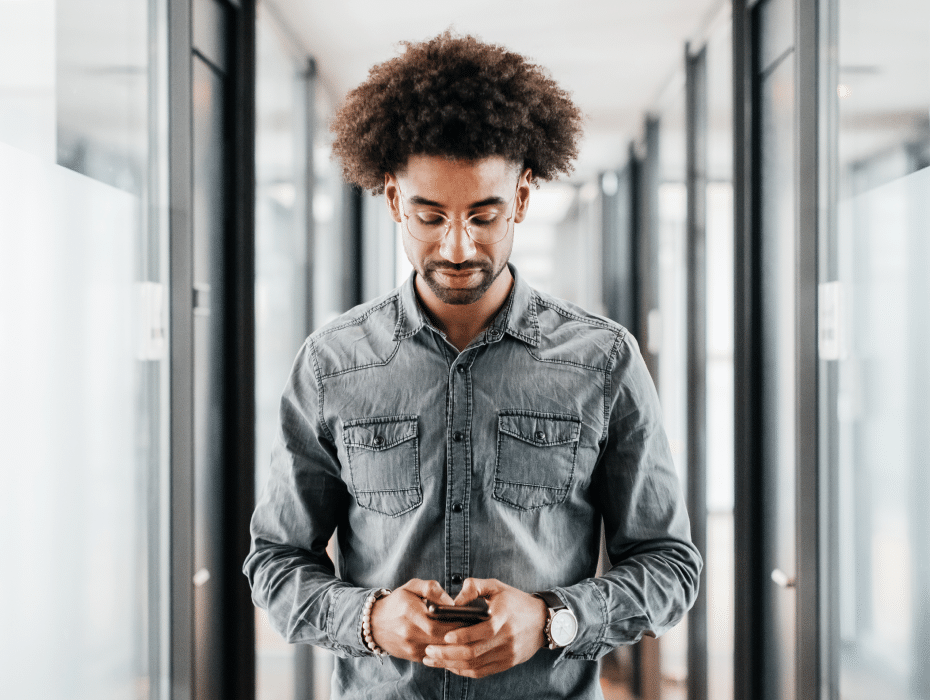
(475,611)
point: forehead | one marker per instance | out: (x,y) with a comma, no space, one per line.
(441,178)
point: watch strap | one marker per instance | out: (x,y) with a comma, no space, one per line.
(552,601)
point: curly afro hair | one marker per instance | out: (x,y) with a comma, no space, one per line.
(458,97)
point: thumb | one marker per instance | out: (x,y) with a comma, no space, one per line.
(430,590)
(476,588)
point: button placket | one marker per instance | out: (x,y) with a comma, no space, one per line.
(458,475)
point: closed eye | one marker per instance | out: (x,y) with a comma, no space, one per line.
(483,219)
(428,219)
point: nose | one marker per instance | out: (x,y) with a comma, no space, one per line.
(457,246)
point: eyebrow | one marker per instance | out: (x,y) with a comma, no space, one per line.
(416,199)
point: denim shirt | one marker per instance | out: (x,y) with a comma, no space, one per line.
(500,461)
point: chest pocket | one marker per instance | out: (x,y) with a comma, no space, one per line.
(384,463)
(535,458)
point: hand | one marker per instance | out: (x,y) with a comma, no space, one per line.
(513,634)
(400,624)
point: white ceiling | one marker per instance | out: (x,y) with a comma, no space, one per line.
(615,57)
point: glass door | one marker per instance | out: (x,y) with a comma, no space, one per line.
(84,361)
(874,348)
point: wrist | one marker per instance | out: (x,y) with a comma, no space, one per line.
(542,619)
(367,634)
(561,627)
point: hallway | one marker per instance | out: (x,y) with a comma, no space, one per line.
(751,200)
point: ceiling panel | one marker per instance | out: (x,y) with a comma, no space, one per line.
(614,57)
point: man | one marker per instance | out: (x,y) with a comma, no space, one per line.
(465,436)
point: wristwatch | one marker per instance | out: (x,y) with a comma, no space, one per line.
(562,625)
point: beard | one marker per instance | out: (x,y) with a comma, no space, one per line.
(461,295)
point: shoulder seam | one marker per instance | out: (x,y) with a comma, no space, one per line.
(359,319)
(608,387)
(561,310)
(317,375)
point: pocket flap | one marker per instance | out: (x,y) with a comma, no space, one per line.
(540,428)
(379,433)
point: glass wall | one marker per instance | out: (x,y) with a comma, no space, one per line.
(282,285)
(83,362)
(718,557)
(333,246)
(875,346)
(671,341)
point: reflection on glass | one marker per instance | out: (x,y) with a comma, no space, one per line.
(777,243)
(330,241)
(281,287)
(880,259)
(719,252)
(100,97)
(83,361)
(673,380)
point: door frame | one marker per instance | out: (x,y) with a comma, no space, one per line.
(751,421)
(236,449)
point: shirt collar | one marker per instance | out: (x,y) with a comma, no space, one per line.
(517,317)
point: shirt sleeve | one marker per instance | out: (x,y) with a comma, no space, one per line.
(655,568)
(291,575)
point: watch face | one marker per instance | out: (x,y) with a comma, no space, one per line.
(563,628)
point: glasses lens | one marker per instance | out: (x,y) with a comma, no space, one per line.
(485,228)
(434,229)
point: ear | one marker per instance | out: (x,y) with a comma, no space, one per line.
(523,196)
(392,196)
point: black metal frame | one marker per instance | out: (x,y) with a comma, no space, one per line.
(636,275)
(751,581)
(310,107)
(696,158)
(238,450)
(647,239)
(646,674)
(353,238)
(750,421)
(237,673)
(620,266)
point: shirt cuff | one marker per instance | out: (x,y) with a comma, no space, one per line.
(589,605)
(344,623)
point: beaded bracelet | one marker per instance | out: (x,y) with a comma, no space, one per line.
(366,621)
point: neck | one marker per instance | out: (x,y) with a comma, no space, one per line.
(463,322)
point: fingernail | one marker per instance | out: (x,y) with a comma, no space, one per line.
(430,651)
(427,661)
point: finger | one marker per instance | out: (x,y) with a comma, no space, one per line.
(471,634)
(430,590)
(483,672)
(461,652)
(465,662)
(475,588)
(435,630)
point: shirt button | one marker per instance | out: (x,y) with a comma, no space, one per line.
(456,507)
(457,436)
(494,334)
(540,435)
(378,441)
(456,579)
(460,369)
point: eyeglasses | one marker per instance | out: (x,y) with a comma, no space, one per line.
(485,228)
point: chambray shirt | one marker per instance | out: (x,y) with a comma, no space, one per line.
(501,461)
